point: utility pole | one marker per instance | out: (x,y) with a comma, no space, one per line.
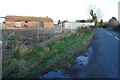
(1,49)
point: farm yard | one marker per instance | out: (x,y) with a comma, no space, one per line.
(28,52)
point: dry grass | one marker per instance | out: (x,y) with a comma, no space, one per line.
(24,61)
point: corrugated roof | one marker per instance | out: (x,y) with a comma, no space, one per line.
(28,18)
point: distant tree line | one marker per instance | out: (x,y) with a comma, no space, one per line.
(96,15)
(114,24)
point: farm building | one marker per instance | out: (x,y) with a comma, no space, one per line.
(28,21)
(75,25)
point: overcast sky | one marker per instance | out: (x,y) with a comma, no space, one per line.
(58,9)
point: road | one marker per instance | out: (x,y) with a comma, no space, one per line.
(104,59)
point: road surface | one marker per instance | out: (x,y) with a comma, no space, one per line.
(104,59)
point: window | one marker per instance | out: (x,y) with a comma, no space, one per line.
(42,24)
(26,21)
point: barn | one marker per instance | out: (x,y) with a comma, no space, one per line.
(28,21)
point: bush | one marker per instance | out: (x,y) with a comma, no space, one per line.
(117,28)
(82,30)
(41,58)
(16,54)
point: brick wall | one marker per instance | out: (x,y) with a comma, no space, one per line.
(32,21)
(28,23)
(48,24)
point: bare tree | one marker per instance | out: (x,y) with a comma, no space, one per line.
(95,13)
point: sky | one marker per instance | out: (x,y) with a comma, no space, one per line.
(58,9)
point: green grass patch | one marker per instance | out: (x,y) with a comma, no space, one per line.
(52,56)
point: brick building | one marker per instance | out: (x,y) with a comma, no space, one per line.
(28,21)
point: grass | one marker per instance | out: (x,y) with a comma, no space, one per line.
(43,58)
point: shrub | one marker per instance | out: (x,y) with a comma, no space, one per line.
(16,54)
(117,28)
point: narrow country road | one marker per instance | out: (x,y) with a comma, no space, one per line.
(104,59)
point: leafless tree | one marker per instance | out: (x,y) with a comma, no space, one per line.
(95,13)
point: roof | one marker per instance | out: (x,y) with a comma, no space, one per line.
(27,18)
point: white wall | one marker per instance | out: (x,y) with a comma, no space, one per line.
(119,11)
(74,25)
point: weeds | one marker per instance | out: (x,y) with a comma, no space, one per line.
(47,57)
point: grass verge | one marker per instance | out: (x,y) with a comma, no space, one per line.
(48,57)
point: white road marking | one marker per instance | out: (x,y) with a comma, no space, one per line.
(105,31)
(117,38)
(109,33)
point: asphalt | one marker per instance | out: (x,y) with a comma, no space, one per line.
(104,59)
